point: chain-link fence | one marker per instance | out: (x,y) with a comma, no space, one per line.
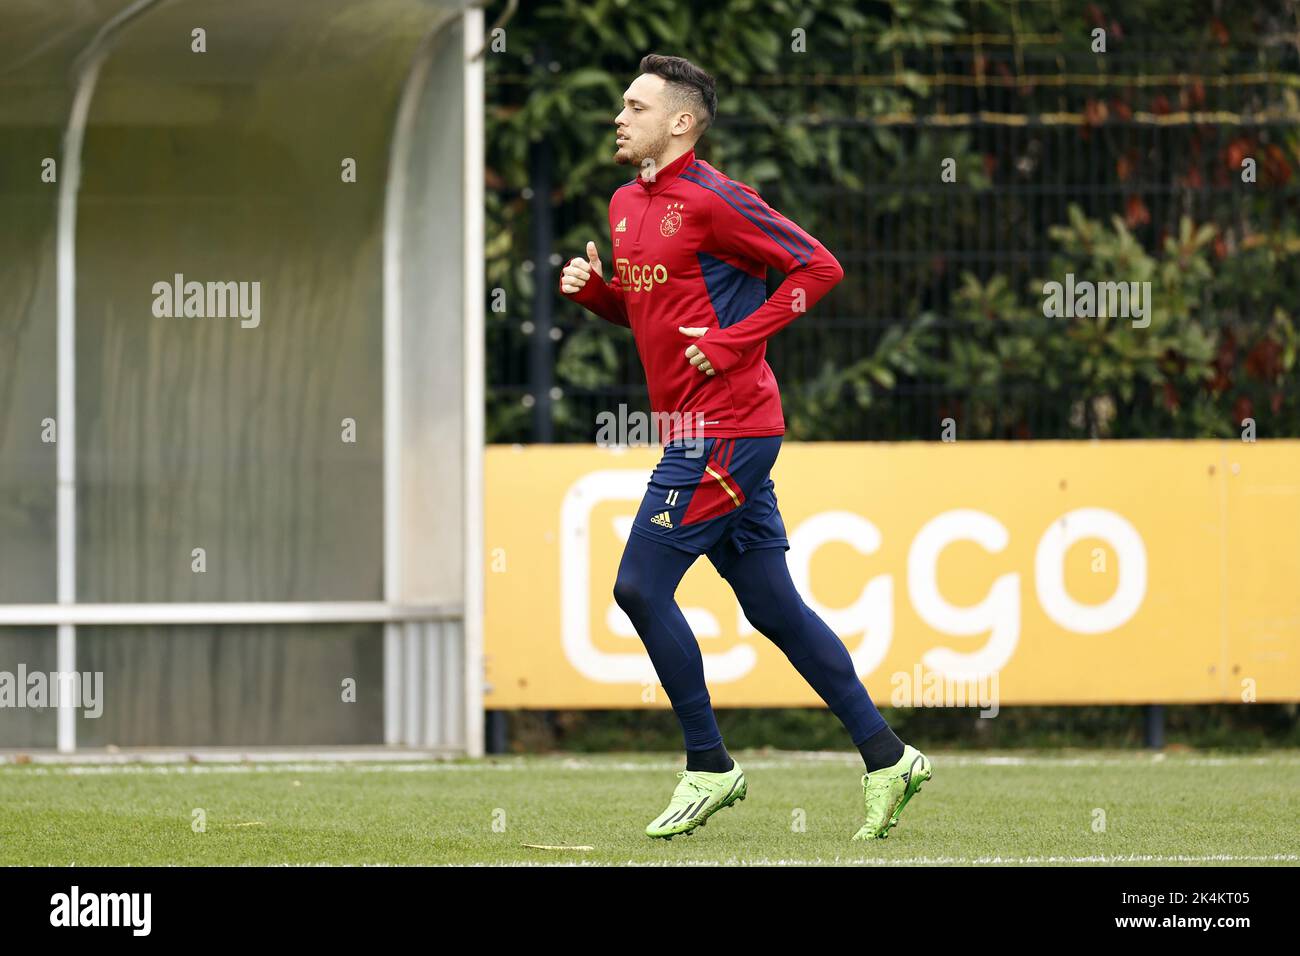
(943,176)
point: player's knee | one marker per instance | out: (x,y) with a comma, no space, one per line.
(629,594)
(774,618)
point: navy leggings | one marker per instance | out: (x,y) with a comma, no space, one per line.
(648,576)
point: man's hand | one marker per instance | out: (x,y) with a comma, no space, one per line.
(579,270)
(698,358)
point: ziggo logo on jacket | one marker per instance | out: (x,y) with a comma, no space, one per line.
(640,278)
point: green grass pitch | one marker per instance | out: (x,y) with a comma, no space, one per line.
(1086,808)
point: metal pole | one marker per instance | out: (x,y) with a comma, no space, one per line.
(498,735)
(540,361)
(86,78)
(474,385)
(1155,726)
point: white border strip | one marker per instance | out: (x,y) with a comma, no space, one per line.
(474,389)
(307,612)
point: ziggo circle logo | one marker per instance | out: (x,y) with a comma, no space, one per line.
(867,624)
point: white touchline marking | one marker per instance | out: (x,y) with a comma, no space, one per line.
(841,861)
(787,761)
(914,861)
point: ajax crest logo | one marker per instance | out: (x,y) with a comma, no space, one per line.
(672,220)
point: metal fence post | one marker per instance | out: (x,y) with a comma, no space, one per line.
(541,375)
(1155,726)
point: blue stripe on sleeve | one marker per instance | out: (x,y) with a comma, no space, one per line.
(801,258)
(737,198)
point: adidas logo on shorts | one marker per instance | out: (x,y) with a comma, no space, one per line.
(662,520)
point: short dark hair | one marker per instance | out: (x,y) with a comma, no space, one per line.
(691,87)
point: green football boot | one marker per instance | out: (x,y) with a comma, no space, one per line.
(697,797)
(888,789)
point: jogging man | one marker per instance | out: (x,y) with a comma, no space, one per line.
(691,250)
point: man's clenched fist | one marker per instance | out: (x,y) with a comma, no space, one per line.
(579,270)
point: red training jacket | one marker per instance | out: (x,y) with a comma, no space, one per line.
(692,248)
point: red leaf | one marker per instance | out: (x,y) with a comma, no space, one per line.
(1264,361)
(1242,409)
(1136,213)
(1276,168)
(1238,150)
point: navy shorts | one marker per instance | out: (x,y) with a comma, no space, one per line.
(714,497)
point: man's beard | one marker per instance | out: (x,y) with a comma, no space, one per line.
(625,157)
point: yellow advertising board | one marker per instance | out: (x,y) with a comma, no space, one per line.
(1031,572)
